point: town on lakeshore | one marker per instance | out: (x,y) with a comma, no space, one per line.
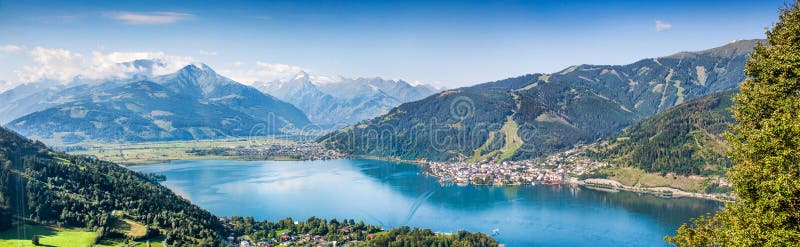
(568,167)
(554,169)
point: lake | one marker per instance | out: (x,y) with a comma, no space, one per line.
(394,194)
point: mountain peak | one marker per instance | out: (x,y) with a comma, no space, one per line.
(733,48)
(197,78)
(198,69)
(302,75)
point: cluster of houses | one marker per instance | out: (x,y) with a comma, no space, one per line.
(554,169)
(288,239)
(574,161)
(299,150)
(284,240)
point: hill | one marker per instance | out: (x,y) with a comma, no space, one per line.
(685,139)
(53,188)
(537,114)
(193,103)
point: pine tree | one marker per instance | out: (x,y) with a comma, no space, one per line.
(765,150)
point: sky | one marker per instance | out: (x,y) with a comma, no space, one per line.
(445,43)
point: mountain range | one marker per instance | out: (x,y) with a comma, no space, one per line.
(35,96)
(193,103)
(343,101)
(537,114)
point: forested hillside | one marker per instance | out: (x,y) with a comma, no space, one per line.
(53,188)
(537,114)
(685,139)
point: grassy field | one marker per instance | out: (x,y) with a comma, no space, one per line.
(48,236)
(130,228)
(639,178)
(512,143)
(159,152)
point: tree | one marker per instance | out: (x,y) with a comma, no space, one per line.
(765,150)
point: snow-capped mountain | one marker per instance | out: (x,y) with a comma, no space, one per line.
(341,101)
(192,103)
(35,96)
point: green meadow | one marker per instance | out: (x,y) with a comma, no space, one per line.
(48,236)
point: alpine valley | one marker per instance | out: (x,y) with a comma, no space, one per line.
(658,122)
(399,123)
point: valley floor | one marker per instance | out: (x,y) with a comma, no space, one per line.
(239,149)
(613,186)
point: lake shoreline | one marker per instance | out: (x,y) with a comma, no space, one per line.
(610,185)
(606,185)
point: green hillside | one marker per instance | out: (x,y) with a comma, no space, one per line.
(52,188)
(685,139)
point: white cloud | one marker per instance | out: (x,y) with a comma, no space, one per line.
(260,71)
(10,48)
(5,85)
(64,65)
(662,26)
(148,18)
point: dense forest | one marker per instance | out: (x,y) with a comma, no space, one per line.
(53,188)
(685,139)
(42,186)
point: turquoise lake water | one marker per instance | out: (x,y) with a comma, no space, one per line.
(394,194)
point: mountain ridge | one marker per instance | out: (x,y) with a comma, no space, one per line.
(552,112)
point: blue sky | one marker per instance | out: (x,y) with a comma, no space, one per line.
(448,43)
